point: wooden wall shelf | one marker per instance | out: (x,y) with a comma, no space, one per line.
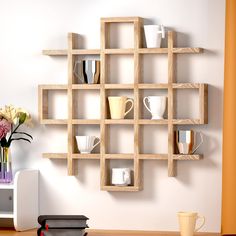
(136,87)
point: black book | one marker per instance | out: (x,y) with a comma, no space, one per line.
(62,232)
(63,221)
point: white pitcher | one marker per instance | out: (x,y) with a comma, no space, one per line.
(153,35)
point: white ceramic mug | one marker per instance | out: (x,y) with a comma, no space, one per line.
(157,106)
(86,144)
(187,223)
(153,35)
(121,176)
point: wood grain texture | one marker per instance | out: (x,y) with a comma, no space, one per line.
(107,232)
(203,103)
(124,156)
(153,86)
(85,51)
(86,86)
(154,157)
(119,51)
(153,122)
(55,155)
(187,157)
(54,122)
(90,156)
(56,52)
(120,19)
(86,121)
(171,162)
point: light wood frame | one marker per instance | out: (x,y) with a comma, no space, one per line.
(105,158)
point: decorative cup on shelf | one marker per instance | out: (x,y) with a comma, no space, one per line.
(157,106)
(117,106)
(187,223)
(186,140)
(87,71)
(86,144)
(121,176)
(153,35)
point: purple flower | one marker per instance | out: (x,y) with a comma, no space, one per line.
(5,127)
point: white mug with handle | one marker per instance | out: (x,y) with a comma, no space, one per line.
(121,176)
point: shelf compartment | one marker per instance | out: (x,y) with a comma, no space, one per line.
(119,86)
(86,121)
(6,214)
(90,156)
(86,86)
(55,155)
(153,86)
(153,157)
(153,122)
(124,156)
(181,157)
(44,102)
(112,188)
(56,52)
(86,52)
(119,122)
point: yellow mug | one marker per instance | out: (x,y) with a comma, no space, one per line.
(187,223)
(118,106)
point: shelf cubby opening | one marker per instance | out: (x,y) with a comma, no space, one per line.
(154,140)
(53,104)
(115,135)
(119,35)
(82,100)
(119,69)
(6,203)
(154,69)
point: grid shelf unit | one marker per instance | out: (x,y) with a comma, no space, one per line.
(136,87)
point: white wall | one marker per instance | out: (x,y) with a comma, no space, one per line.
(28,26)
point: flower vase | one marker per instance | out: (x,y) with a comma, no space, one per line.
(5,165)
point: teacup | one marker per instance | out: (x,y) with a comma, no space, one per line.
(121,176)
(86,144)
(118,105)
(157,106)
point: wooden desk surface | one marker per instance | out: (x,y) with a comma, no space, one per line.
(92,232)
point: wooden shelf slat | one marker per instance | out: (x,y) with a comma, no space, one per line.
(187,50)
(119,122)
(56,52)
(153,50)
(86,121)
(54,121)
(53,86)
(186,85)
(120,19)
(193,157)
(124,156)
(90,156)
(55,155)
(86,51)
(118,51)
(186,121)
(119,86)
(153,86)
(153,122)
(120,188)
(153,156)
(86,86)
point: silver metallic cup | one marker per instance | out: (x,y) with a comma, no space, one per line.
(87,71)
(186,139)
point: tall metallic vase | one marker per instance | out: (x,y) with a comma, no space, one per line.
(87,71)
